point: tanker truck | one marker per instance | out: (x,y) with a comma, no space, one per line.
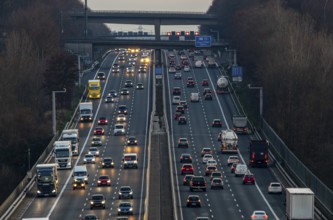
(222,85)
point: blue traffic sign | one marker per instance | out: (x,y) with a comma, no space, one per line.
(158,71)
(203,41)
(237,71)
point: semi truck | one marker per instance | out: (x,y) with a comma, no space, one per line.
(229,141)
(73,136)
(94,89)
(299,204)
(86,111)
(63,154)
(259,153)
(47,179)
(240,124)
(222,85)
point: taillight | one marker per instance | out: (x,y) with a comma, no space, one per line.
(252,156)
(265,216)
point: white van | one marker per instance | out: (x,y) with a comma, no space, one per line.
(194,97)
(176,100)
(80,172)
(198,64)
(130,160)
(240,170)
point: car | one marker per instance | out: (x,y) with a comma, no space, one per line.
(233,167)
(113,93)
(207,157)
(94,151)
(190,82)
(130,69)
(194,97)
(215,175)
(182,142)
(122,109)
(208,96)
(139,86)
(206,91)
(178,67)
(206,150)
(96,141)
(125,208)
(183,103)
(89,158)
(172,69)
(182,120)
(115,65)
(90,217)
(259,215)
(109,99)
(107,162)
(176,91)
(193,201)
(217,123)
(132,63)
(115,70)
(232,159)
(104,180)
(198,183)
(175,100)
(128,83)
(205,82)
(248,178)
(102,121)
(275,187)
(187,169)
(119,129)
(125,192)
(202,218)
(130,160)
(79,184)
(142,70)
(216,183)
(241,170)
(180,109)
(132,140)
(121,118)
(210,169)
(186,68)
(211,162)
(99,131)
(97,200)
(100,76)
(185,158)
(124,91)
(178,75)
(121,58)
(198,64)
(187,179)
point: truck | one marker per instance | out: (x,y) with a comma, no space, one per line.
(73,136)
(211,62)
(63,154)
(47,179)
(222,85)
(94,89)
(259,153)
(229,141)
(299,204)
(86,111)
(240,124)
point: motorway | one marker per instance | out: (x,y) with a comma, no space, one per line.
(74,204)
(235,201)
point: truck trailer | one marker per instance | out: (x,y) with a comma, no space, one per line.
(240,124)
(259,153)
(222,85)
(229,141)
(73,136)
(299,204)
(47,179)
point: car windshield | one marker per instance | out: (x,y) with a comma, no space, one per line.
(275,185)
(62,153)
(125,205)
(80,173)
(89,156)
(129,158)
(125,189)
(97,197)
(119,127)
(107,160)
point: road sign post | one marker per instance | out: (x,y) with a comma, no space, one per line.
(203,41)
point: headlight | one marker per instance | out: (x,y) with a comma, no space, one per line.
(103,202)
(75,185)
(112,163)
(92,202)
(38,191)
(53,191)
(84,159)
(86,178)
(131,209)
(69,163)
(135,162)
(131,193)
(119,209)
(103,163)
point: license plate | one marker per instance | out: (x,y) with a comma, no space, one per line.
(193,203)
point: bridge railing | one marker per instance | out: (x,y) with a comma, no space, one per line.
(137,12)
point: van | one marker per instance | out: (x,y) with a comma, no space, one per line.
(80,172)
(175,100)
(194,97)
(198,64)
(240,170)
(130,160)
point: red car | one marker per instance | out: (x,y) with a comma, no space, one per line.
(187,169)
(206,150)
(102,121)
(248,178)
(99,131)
(104,181)
(205,82)
(176,91)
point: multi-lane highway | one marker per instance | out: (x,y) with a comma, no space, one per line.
(235,201)
(74,204)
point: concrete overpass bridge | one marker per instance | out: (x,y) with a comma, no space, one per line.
(156,18)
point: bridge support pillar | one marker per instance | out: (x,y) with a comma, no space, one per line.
(157,29)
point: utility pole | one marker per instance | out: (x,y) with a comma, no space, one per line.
(54,110)
(85,19)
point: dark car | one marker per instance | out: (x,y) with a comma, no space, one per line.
(104,180)
(205,82)
(176,91)
(193,201)
(178,67)
(190,83)
(101,75)
(183,103)
(90,217)
(125,192)
(113,93)
(208,96)
(132,140)
(182,142)
(96,141)
(102,121)
(185,158)
(97,200)
(180,109)
(79,184)
(125,208)
(109,99)
(128,83)
(107,162)
(122,109)
(124,91)
(216,123)
(139,86)
(178,75)
(182,120)
(99,131)
(187,179)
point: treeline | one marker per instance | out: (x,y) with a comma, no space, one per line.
(290,53)
(33,63)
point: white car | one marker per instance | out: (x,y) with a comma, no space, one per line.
(186,68)
(89,158)
(259,215)
(119,129)
(211,162)
(207,157)
(233,159)
(241,170)
(198,64)
(121,118)
(172,69)
(275,187)
(175,100)
(194,97)
(94,151)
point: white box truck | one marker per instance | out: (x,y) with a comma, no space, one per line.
(73,136)
(86,111)
(299,204)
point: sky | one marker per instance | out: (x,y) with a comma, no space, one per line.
(150,5)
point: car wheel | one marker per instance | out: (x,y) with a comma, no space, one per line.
(131,197)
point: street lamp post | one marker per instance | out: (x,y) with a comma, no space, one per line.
(235,56)
(217,34)
(54,110)
(79,67)
(261,99)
